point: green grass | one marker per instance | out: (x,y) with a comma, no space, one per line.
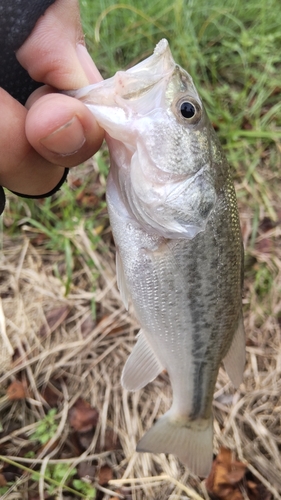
(46,428)
(231,49)
(52,223)
(55,476)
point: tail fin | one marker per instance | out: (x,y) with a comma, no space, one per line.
(190,441)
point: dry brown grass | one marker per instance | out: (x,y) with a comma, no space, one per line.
(85,358)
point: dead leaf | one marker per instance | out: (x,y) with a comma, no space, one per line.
(16,390)
(10,474)
(87,326)
(265,245)
(86,469)
(257,491)
(110,443)
(38,239)
(75,183)
(266,224)
(84,439)
(105,475)
(225,480)
(85,199)
(54,318)
(52,395)
(246,125)
(276,91)
(34,496)
(82,417)
(237,473)
(3,481)
(125,494)
(225,476)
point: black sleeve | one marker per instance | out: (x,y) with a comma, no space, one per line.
(17,20)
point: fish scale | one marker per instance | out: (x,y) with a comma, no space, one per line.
(174,218)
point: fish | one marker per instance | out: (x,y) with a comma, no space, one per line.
(179,252)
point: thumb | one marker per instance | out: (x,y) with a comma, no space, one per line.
(54,53)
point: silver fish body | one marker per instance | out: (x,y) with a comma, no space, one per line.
(174,218)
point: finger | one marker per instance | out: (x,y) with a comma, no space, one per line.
(54,52)
(63,130)
(22,169)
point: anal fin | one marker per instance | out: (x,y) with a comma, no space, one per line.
(142,366)
(234,361)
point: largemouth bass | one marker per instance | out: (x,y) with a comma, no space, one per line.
(173,213)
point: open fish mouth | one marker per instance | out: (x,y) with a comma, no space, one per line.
(142,77)
(134,82)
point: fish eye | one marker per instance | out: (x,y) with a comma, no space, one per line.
(188,110)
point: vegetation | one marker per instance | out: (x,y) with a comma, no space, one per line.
(57,271)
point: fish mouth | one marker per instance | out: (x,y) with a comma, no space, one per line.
(138,93)
(148,85)
(140,79)
(134,82)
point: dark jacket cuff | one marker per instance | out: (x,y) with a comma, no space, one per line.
(17,20)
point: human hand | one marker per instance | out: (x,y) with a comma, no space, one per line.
(52,131)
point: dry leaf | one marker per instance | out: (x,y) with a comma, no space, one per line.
(105,474)
(34,496)
(257,491)
(54,318)
(111,442)
(52,395)
(84,439)
(86,469)
(16,390)
(82,417)
(266,224)
(3,481)
(85,199)
(87,326)
(225,476)
(265,245)
(224,481)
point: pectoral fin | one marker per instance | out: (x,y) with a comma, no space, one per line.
(141,367)
(234,361)
(121,281)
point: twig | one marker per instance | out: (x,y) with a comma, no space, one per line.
(39,475)
(7,346)
(109,492)
(164,477)
(35,461)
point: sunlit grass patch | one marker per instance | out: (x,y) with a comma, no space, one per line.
(231,49)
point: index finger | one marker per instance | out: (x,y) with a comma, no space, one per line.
(54,54)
